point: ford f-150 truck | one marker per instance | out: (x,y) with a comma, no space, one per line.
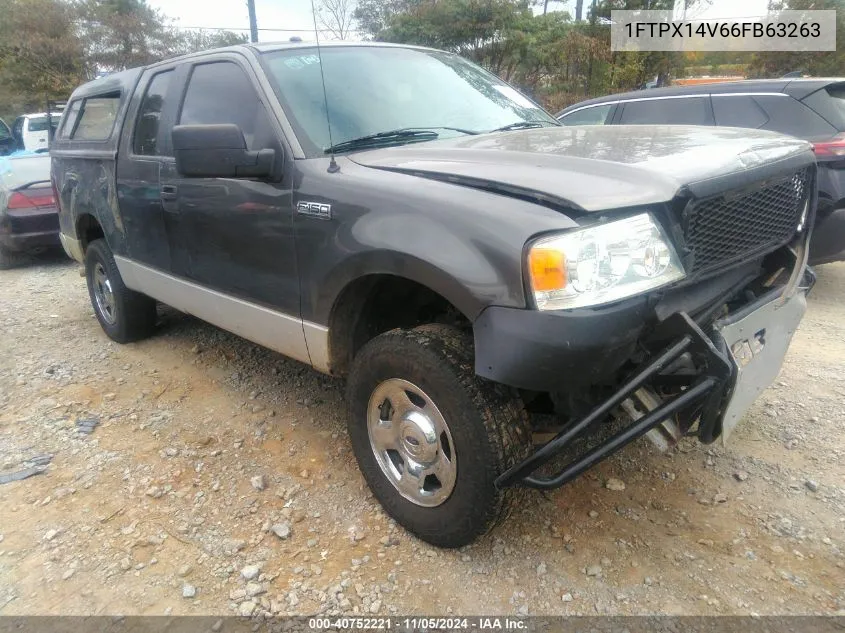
(478,273)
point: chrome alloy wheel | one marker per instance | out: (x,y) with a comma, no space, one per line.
(103,294)
(411,442)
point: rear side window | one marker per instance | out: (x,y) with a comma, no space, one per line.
(69,118)
(594,115)
(37,124)
(148,135)
(788,116)
(5,132)
(204,103)
(738,111)
(97,118)
(830,104)
(686,111)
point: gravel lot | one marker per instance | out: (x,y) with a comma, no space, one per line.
(198,473)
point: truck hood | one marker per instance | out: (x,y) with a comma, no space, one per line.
(589,168)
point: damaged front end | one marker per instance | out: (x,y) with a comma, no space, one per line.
(697,371)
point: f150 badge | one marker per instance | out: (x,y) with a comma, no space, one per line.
(315,209)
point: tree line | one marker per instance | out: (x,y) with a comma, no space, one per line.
(559,59)
(48,47)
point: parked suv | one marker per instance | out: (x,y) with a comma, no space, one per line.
(811,109)
(468,265)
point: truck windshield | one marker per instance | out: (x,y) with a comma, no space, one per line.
(376,89)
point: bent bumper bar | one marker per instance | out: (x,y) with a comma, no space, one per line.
(712,385)
(722,386)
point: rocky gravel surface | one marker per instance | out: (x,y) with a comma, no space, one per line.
(196,473)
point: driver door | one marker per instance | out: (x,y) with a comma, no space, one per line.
(233,235)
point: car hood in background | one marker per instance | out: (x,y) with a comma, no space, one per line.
(590,168)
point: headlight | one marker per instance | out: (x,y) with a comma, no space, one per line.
(601,264)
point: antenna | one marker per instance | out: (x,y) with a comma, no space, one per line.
(333,166)
(253,24)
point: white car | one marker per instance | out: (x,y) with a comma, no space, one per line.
(31,130)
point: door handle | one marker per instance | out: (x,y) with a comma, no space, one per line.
(168,192)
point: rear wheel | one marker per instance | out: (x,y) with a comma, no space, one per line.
(430,436)
(125,315)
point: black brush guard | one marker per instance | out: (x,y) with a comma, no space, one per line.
(714,382)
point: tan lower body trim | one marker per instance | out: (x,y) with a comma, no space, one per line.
(301,340)
(73,247)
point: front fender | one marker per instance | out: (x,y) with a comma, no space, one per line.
(469,292)
(462,243)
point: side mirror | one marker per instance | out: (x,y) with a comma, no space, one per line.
(218,151)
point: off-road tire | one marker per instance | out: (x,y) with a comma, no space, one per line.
(488,423)
(134,313)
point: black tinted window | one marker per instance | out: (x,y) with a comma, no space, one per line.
(685,111)
(788,116)
(147,135)
(830,104)
(97,118)
(595,115)
(5,132)
(738,111)
(222,93)
(69,118)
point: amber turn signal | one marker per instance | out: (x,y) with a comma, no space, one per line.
(547,268)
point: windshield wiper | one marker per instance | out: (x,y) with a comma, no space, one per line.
(518,125)
(408,134)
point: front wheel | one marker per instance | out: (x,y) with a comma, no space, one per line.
(125,315)
(430,436)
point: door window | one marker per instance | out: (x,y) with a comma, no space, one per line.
(221,92)
(69,118)
(595,115)
(830,104)
(37,124)
(788,116)
(738,111)
(149,139)
(686,111)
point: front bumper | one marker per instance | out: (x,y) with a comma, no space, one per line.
(736,359)
(585,347)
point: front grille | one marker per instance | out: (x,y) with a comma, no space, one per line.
(733,227)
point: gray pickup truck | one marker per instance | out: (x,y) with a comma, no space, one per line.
(477,273)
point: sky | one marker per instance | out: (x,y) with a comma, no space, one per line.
(283,19)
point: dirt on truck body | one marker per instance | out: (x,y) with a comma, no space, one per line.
(466,264)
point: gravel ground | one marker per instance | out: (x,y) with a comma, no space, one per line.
(197,473)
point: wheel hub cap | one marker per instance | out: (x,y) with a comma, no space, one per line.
(103,294)
(411,442)
(419,437)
